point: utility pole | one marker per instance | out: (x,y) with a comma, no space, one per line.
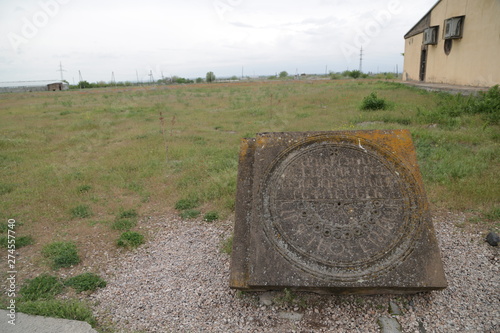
(113,82)
(80,79)
(151,79)
(361,59)
(61,70)
(137,75)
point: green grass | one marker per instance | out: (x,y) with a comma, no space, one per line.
(123,224)
(187,204)
(211,216)
(69,156)
(128,214)
(42,287)
(81,211)
(190,214)
(61,254)
(130,239)
(66,309)
(20,241)
(85,282)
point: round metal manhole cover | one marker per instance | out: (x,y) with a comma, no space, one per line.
(341,208)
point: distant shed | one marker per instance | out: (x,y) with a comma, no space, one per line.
(32,86)
(55,86)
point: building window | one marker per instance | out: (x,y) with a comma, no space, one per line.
(430,35)
(453,27)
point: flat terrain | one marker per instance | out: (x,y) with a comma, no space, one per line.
(72,162)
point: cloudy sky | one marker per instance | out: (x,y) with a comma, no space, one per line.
(131,38)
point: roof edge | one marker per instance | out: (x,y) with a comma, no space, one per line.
(416,29)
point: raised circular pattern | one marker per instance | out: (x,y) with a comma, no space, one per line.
(341,208)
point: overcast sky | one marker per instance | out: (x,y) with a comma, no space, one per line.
(132,38)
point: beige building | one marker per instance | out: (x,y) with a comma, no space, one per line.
(456,42)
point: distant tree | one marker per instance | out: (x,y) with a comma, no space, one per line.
(283,74)
(210,77)
(199,80)
(84,85)
(234,78)
(355,74)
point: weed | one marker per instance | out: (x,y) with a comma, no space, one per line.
(123,224)
(62,254)
(67,103)
(288,297)
(227,245)
(130,239)
(189,203)
(6,188)
(81,211)
(372,102)
(211,216)
(42,287)
(487,104)
(66,309)
(83,188)
(20,241)
(128,214)
(190,213)
(493,214)
(85,282)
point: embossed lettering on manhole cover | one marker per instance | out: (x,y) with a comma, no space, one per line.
(341,208)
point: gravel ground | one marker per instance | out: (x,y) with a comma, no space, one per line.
(178,282)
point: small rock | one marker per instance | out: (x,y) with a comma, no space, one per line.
(266,299)
(493,239)
(290,315)
(421,328)
(389,325)
(394,309)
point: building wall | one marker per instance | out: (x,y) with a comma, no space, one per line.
(473,59)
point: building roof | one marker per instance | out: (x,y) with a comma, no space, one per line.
(421,25)
(37,83)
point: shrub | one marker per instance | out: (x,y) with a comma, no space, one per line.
(354,74)
(130,239)
(62,254)
(335,76)
(67,309)
(42,287)
(81,211)
(86,281)
(211,216)
(372,102)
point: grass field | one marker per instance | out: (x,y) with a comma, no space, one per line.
(71,163)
